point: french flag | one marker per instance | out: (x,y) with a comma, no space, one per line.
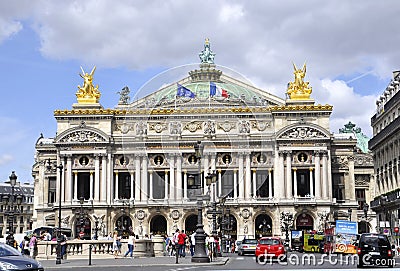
(217,91)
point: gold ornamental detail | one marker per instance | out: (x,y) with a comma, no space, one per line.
(299,90)
(88,93)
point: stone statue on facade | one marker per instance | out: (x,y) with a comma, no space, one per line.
(124,95)
(207,56)
(88,93)
(299,90)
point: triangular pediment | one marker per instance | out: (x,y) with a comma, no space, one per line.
(303,131)
(81,135)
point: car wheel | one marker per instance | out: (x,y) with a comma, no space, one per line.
(240,253)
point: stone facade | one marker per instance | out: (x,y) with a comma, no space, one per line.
(136,170)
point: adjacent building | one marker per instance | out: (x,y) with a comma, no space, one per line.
(134,168)
(385,146)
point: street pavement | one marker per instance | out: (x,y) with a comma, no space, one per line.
(109,261)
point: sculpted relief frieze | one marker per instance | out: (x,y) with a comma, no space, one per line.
(158,127)
(82,136)
(341,162)
(260,125)
(192,126)
(124,127)
(303,133)
(226,126)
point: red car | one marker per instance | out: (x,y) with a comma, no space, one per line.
(269,248)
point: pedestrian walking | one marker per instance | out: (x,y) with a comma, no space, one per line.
(116,244)
(192,243)
(182,243)
(33,249)
(131,245)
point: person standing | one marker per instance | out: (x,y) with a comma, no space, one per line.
(131,245)
(116,244)
(182,243)
(192,243)
(33,246)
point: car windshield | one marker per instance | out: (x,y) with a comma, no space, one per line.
(6,251)
(269,242)
(249,241)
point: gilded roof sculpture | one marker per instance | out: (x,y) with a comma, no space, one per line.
(88,93)
(299,90)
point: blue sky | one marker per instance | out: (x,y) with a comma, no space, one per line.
(349,49)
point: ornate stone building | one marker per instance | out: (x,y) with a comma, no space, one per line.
(385,146)
(135,167)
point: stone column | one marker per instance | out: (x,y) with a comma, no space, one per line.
(351,184)
(137,179)
(172,186)
(295,182)
(247,183)
(91,180)
(62,182)
(75,197)
(205,162)
(270,195)
(145,191)
(219,183)
(116,195)
(329,175)
(279,175)
(68,188)
(97,177)
(166,196)
(325,186)
(185,185)
(110,173)
(103,178)
(317,175)
(151,184)
(132,187)
(288,174)
(235,192)
(254,183)
(311,182)
(179,178)
(241,177)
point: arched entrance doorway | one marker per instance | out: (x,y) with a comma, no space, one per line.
(229,227)
(263,226)
(304,222)
(363,227)
(124,226)
(190,224)
(158,225)
(83,228)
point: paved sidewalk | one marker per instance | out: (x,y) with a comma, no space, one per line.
(73,262)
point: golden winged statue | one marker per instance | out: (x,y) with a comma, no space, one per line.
(299,90)
(88,93)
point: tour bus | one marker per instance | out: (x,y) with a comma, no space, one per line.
(313,242)
(53,231)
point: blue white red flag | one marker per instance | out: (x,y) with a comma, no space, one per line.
(217,91)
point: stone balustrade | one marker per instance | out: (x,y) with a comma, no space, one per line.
(143,247)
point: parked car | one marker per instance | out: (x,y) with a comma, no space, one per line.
(248,246)
(12,259)
(237,244)
(270,248)
(374,250)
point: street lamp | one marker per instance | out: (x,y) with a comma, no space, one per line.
(60,167)
(9,200)
(58,259)
(210,180)
(200,255)
(349,211)
(365,209)
(286,224)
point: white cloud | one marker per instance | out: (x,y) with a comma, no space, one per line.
(231,12)
(8,28)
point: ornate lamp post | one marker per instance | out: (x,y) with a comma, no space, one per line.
(349,211)
(58,259)
(365,209)
(200,255)
(9,200)
(49,167)
(286,224)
